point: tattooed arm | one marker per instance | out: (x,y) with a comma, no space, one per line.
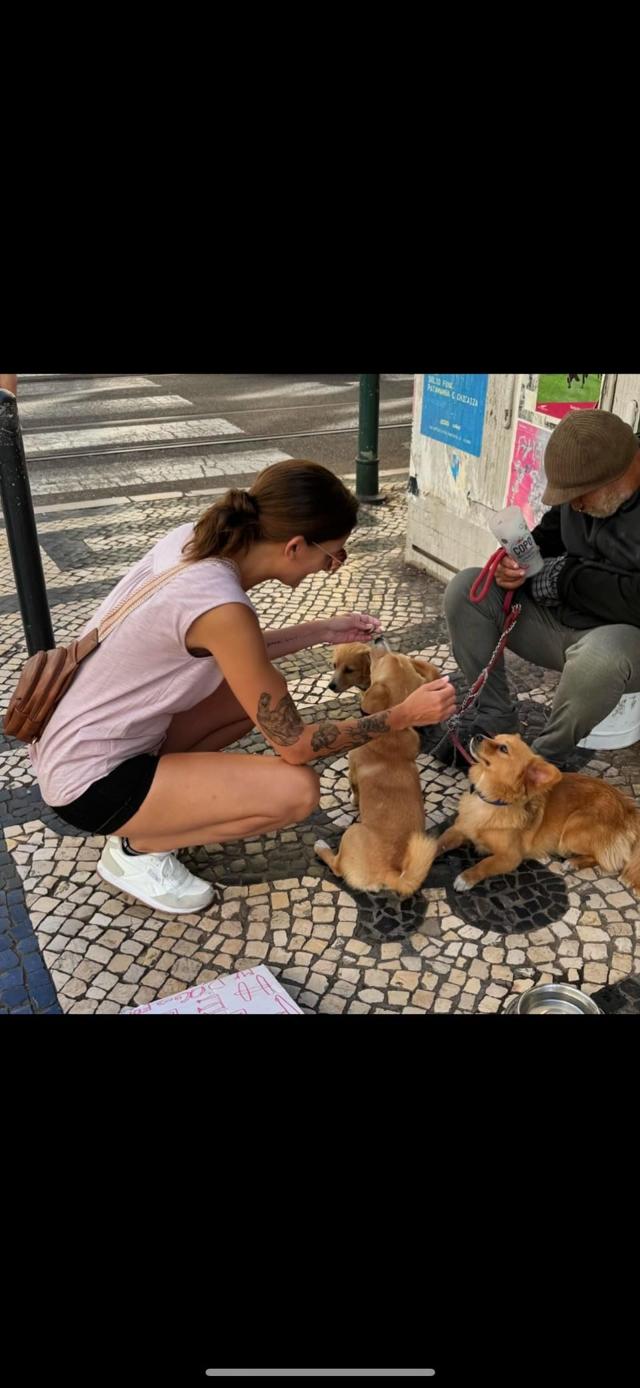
(291,639)
(352,626)
(282,725)
(233,636)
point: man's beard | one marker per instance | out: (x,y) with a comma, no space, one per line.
(610,501)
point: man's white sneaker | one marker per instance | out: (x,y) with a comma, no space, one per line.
(157,879)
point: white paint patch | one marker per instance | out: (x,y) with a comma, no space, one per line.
(83,409)
(66,390)
(81,440)
(293,390)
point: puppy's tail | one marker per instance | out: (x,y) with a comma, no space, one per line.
(631,874)
(420,853)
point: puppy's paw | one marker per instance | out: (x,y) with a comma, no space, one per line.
(461,884)
(319,845)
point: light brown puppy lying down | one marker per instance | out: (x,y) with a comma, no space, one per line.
(352,667)
(523,807)
(388,849)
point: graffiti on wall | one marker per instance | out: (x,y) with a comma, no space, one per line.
(526,475)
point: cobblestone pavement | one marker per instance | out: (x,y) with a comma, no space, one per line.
(70,943)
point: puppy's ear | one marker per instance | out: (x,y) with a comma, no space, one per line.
(377,697)
(541,775)
(365,670)
(426,669)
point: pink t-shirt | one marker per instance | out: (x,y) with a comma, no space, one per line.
(126,692)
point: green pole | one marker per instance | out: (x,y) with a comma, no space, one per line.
(367,460)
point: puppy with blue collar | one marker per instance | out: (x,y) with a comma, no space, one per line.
(521,806)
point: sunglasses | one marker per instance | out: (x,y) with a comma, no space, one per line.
(336,560)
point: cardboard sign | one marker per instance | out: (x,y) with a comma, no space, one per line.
(250,991)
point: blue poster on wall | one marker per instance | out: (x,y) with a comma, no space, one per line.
(453,410)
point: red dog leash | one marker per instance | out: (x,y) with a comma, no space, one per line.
(479,589)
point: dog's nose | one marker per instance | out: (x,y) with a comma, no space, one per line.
(333,685)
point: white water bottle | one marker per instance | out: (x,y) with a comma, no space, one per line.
(511,530)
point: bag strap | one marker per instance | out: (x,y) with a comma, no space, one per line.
(113,619)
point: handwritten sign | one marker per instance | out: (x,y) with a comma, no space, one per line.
(250,991)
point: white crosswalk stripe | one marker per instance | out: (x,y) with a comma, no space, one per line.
(294,389)
(44,408)
(79,440)
(64,389)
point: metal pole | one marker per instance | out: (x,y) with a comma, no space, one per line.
(367,460)
(21,530)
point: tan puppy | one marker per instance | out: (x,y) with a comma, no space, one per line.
(388,849)
(352,667)
(523,807)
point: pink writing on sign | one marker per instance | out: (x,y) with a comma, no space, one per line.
(214,1003)
(248,991)
(251,983)
(286,1004)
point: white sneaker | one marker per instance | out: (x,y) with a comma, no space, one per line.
(157,879)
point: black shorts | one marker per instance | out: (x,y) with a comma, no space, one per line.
(110,802)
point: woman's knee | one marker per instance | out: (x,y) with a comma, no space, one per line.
(457,592)
(302,792)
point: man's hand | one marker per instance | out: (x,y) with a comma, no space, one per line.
(509,574)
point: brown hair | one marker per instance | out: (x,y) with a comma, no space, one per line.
(290,498)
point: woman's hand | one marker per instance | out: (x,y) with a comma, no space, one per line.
(431,703)
(353,626)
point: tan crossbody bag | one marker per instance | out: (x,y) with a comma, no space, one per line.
(45,677)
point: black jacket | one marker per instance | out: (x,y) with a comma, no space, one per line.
(600,582)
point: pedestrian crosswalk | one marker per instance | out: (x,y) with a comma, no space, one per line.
(56,457)
(111,434)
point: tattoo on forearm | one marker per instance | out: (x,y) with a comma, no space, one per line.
(326,733)
(372,726)
(324,736)
(282,724)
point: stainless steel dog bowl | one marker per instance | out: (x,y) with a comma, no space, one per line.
(553,998)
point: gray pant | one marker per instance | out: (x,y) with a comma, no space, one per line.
(598,665)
